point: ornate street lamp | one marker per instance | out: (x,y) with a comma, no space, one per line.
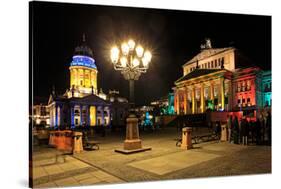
(132,60)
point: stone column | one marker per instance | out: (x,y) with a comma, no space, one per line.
(81,117)
(186,138)
(222,92)
(76,77)
(72,116)
(56,117)
(83,77)
(185,101)
(102,115)
(212,91)
(202,98)
(88,115)
(177,101)
(193,100)
(90,76)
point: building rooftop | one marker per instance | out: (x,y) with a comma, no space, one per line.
(197,73)
(206,53)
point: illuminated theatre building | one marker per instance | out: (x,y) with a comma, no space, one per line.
(81,104)
(221,79)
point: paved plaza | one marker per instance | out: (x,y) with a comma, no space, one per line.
(164,161)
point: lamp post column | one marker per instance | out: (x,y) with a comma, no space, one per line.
(131,89)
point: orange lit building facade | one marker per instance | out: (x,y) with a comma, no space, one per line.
(221,79)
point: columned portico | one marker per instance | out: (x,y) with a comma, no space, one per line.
(207,89)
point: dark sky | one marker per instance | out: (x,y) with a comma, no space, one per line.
(173,36)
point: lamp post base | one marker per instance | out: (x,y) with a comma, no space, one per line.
(133,143)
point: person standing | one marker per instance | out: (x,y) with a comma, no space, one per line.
(229,126)
(258,132)
(262,129)
(236,130)
(244,130)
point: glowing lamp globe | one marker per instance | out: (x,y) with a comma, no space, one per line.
(125,48)
(131,44)
(123,61)
(114,55)
(145,62)
(139,51)
(147,56)
(136,62)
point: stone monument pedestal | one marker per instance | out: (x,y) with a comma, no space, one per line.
(132,143)
(224,133)
(186,138)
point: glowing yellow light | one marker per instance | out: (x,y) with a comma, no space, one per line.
(114,54)
(123,61)
(125,48)
(139,51)
(131,44)
(147,56)
(145,62)
(136,62)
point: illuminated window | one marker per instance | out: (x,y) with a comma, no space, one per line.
(243,85)
(249,101)
(238,87)
(248,85)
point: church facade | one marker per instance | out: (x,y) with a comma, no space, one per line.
(221,79)
(81,104)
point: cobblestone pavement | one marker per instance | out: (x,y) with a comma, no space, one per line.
(164,161)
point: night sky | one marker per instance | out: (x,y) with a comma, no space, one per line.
(173,36)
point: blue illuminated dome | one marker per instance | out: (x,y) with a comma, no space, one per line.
(83,56)
(79,60)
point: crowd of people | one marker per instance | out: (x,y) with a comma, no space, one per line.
(244,132)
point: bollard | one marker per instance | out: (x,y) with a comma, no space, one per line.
(186,138)
(52,138)
(77,142)
(224,133)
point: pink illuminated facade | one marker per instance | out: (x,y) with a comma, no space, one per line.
(221,79)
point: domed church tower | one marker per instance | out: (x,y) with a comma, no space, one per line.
(83,72)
